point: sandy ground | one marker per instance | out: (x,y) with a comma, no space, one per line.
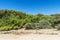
(29,37)
(44,34)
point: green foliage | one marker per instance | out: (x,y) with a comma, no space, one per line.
(29,26)
(57,27)
(44,24)
(14,20)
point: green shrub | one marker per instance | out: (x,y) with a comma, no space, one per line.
(15,27)
(57,27)
(7,27)
(44,24)
(29,26)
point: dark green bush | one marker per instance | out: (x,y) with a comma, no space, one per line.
(14,20)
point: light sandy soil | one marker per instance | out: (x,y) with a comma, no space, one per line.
(29,37)
(43,34)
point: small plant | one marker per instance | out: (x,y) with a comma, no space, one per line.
(57,27)
(29,26)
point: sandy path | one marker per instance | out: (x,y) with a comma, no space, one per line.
(43,34)
(29,37)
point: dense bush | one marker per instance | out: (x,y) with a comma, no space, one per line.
(44,24)
(14,20)
(29,26)
(58,27)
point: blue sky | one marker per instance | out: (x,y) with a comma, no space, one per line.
(32,6)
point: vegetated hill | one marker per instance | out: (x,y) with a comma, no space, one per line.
(13,20)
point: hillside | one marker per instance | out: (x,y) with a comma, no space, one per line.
(14,20)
